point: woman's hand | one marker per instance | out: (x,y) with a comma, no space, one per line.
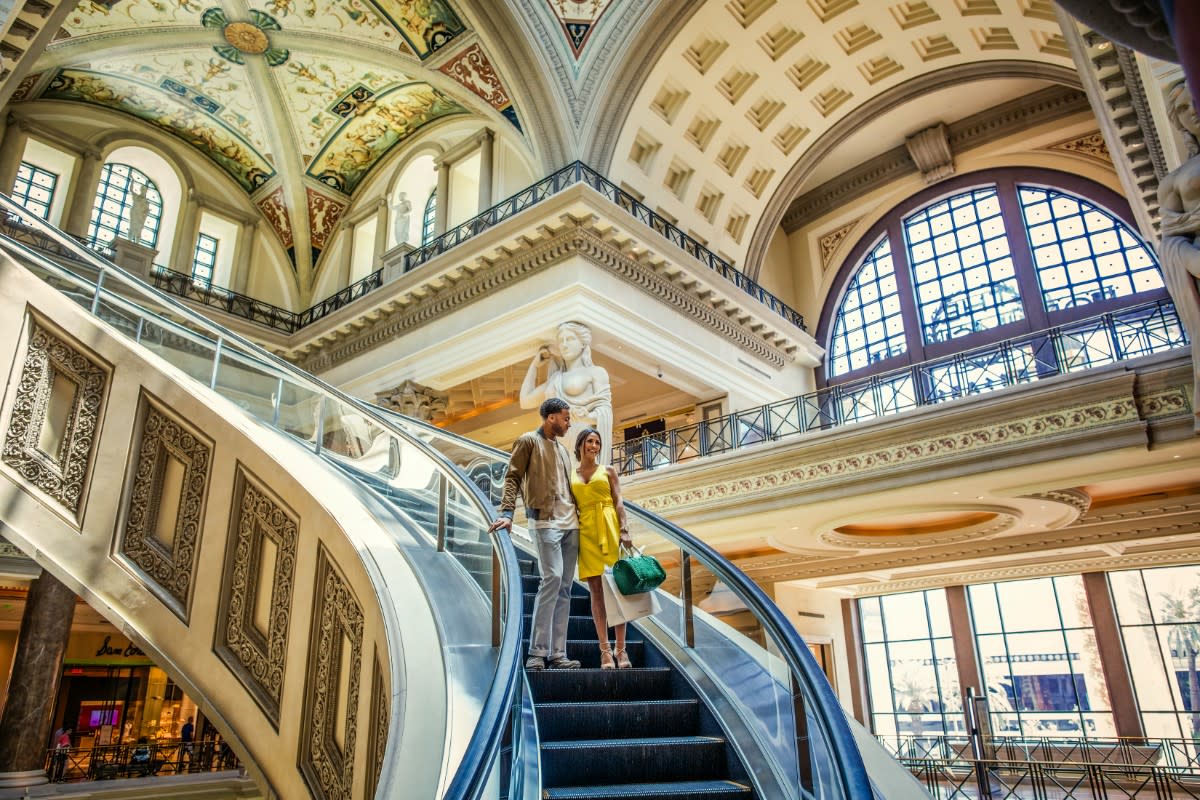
(626,539)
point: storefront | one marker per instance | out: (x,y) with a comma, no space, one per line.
(112,693)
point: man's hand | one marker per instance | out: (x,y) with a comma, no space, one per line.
(501,522)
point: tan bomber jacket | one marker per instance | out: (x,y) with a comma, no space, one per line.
(530,471)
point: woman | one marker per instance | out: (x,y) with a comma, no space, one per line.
(602,524)
(575,379)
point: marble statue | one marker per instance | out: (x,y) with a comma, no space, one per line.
(1179,205)
(401,218)
(139,210)
(573,377)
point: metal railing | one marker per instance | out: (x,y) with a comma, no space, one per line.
(576,173)
(1181,755)
(138,760)
(1106,339)
(272,316)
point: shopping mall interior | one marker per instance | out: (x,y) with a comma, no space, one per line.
(883,311)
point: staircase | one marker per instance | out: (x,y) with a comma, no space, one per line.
(633,733)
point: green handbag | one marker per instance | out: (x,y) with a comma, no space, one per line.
(635,572)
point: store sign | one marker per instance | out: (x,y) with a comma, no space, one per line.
(104,648)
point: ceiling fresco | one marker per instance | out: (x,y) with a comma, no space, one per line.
(297,100)
(95,17)
(578,19)
(191,118)
(372,125)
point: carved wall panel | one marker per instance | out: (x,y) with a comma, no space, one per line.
(58,404)
(331,695)
(169,483)
(377,740)
(256,591)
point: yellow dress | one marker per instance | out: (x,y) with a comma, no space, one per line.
(599,528)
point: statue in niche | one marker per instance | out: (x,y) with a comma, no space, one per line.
(1179,205)
(139,210)
(401,218)
(573,377)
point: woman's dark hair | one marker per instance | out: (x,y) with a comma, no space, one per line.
(582,437)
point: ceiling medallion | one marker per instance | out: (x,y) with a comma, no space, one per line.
(249,38)
(246,38)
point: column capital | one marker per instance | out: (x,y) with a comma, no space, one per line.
(414,400)
(485,136)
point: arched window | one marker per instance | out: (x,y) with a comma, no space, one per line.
(120,185)
(984,258)
(429,221)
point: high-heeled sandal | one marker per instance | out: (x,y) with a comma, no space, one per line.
(623,661)
(606,658)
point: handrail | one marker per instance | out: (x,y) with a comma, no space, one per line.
(470,777)
(931,382)
(855,783)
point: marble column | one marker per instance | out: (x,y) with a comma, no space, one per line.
(83,193)
(241,256)
(442,213)
(487,149)
(12,151)
(25,725)
(382,223)
(1117,677)
(183,249)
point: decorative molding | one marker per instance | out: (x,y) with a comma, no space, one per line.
(930,151)
(1001,521)
(62,475)
(1006,119)
(170,567)
(1090,145)
(480,280)
(1069,421)
(324,211)
(380,720)
(327,766)
(831,242)
(1169,403)
(414,400)
(1077,499)
(257,657)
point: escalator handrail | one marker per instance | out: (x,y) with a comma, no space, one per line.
(471,776)
(855,781)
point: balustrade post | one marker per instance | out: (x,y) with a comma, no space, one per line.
(802,739)
(496,598)
(320,432)
(99,287)
(277,404)
(212,383)
(685,573)
(441,528)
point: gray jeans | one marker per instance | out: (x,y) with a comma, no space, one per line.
(557,553)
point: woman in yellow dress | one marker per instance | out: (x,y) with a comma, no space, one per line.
(602,529)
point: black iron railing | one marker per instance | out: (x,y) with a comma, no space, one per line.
(272,316)
(576,173)
(138,760)
(1086,344)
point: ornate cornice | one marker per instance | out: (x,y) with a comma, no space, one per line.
(481,279)
(1037,108)
(1069,421)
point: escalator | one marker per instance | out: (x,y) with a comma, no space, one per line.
(706,713)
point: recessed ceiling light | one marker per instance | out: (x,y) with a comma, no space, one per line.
(978,497)
(795,527)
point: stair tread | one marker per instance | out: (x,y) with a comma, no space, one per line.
(585,703)
(646,789)
(654,741)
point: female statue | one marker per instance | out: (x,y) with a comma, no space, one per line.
(1179,205)
(574,378)
(139,210)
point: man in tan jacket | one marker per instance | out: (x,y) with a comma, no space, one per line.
(540,469)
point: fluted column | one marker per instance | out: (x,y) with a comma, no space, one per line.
(382,223)
(83,192)
(443,198)
(33,684)
(487,148)
(12,150)
(184,247)
(242,254)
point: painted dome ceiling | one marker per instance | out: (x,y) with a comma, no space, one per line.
(296,100)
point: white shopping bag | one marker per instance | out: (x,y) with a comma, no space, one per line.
(626,607)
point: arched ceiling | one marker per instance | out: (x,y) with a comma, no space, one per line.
(745,88)
(296,100)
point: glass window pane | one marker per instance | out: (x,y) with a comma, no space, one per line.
(871,296)
(125,194)
(904,616)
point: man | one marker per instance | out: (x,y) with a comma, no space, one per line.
(185,739)
(540,468)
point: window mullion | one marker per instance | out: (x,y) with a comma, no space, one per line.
(1036,318)
(904,288)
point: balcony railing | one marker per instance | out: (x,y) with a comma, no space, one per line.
(1051,768)
(272,316)
(1116,336)
(576,173)
(138,760)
